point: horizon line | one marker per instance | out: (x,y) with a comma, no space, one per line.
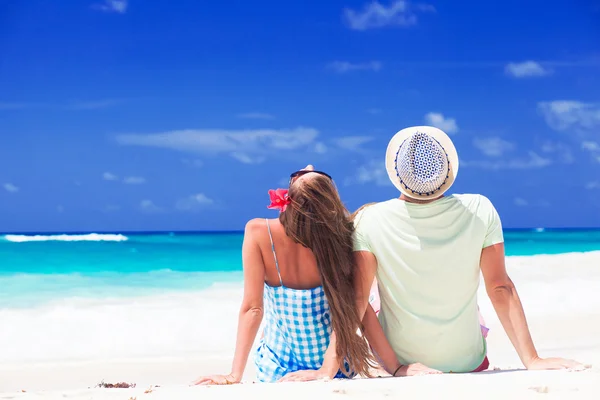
(158,232)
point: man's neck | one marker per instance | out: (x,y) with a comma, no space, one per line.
(411,200)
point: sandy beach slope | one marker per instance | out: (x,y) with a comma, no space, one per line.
(561,295)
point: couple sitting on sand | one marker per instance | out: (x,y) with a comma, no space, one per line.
(309,273)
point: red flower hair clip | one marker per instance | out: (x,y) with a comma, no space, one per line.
(279,199)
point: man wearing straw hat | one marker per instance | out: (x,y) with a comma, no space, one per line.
(427,250)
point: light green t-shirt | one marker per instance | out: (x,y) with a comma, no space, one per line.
(428,274)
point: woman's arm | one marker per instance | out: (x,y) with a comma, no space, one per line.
(379,343)
(328,370)
(251,310)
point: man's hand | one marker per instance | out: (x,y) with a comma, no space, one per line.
(506,302)
(555,363)
(416,369)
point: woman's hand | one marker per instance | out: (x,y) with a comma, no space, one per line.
(217,380)
(306,375)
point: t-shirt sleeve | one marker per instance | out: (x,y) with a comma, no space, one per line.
(361,242)
(494,233)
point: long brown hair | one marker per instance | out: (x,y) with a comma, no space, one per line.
(317,219)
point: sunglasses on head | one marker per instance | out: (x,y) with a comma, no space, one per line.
(298,174)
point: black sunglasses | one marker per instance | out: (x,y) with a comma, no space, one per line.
(297,174)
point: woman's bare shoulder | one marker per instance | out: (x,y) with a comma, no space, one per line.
(259,225)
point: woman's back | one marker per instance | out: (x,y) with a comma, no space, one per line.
(297,264)
(297,319)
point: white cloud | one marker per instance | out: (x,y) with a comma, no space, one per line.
(149,206)
(593,185)
(194,202)
(129,180)
(352,143)
(532,161)
(520,202)
(134,180)
(590,146)
(376,15)
(562,115)
(107,176)
(248,146)
(320,148)
(438,120)
(345,66)
(256,115)
(247,159)
(593,148)
(493,146)
(563,151)
(579,119)
(372,172)
(526,69)
(115,6)
(10,188)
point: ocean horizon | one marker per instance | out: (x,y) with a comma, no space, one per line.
(41,267)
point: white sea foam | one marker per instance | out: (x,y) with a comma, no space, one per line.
(203,322)
(170,324)
(90,237)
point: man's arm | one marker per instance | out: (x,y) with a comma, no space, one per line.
(506,302)
(505,299)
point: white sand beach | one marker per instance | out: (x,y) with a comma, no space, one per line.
(561,295)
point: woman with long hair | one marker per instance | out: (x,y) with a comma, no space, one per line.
(299,273)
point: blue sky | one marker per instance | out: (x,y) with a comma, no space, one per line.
(180,115)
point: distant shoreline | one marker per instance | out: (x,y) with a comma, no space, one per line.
(229,232)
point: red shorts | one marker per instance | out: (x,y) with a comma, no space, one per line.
(484,365)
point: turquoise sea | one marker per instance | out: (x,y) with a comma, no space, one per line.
(40,267)
(98,295)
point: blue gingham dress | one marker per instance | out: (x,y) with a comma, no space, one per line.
(296,331)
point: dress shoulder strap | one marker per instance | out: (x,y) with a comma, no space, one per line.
(274,254)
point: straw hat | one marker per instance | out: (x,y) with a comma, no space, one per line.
(421,161)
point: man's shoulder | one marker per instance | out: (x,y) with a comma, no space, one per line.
(477,204)
(371,212)
(472,199)
(376,208)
